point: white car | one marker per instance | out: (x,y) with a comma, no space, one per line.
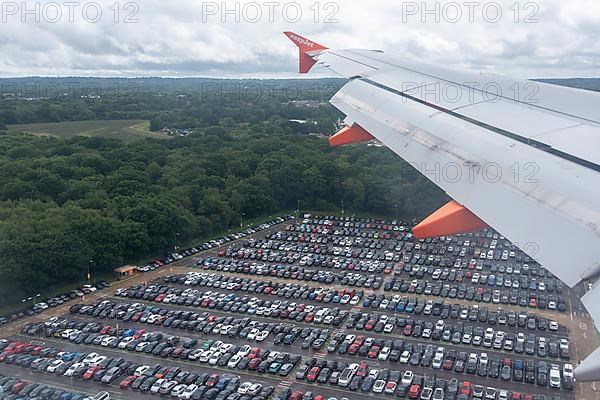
(156,386)
(140,370)
(123,343)
(555,376)
(90,358)
(214,359)
(384,354)
(72,368)
(178,390)
(568,371)
(188,392)
(244,387)
(255,389)
(262,335)
(379,386)
(234,361)
(404,357)
(108,340)
(204,357)
(54,365)
(407,377)
(244,350)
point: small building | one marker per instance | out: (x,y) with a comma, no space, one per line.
(126,271)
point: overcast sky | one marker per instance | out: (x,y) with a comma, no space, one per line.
(550,38)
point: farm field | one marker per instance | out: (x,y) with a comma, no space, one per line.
(127,130)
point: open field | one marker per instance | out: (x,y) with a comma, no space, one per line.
(127,130)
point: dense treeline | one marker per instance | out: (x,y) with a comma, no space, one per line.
(64,202)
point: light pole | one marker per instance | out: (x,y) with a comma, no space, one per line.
(176,246)
(342,207)
(89,275)
(242,219)
(297,209)
(396,206)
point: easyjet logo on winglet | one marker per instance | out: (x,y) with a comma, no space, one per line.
(302,41)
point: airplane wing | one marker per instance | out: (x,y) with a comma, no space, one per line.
(520,156)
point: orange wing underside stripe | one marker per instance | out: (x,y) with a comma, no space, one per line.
(349,135)
(450,219)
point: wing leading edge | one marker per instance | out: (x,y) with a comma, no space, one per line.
(518,155)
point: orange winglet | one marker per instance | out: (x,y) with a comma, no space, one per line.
(304,46)
(450,219)
(349,135)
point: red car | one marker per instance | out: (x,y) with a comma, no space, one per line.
(254,353)
(17,387)
(139,334)
(370,325)
(363,369)
(253,364)
(296,395)
(105,329)
(373,352)
(89,374)
(162,372)
(466,388)
(353,350)
(125,383)
(20,347)
(407,331)
(312,374)
(212,380)
(414,391)
(533,303)
(160,297)
(448,364)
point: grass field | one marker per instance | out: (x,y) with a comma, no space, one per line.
(127,130)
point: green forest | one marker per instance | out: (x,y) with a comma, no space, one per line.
(64,201)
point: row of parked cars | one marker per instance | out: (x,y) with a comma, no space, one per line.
(439,357)
(371,281)
(460,333)
(484,294)
(283,309)
(267,287)
(14,388)
(362,378)
(473,313)
(154,379)
(485,273)
(227,326)
(38,305)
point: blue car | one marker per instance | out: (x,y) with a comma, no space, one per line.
(129,332)
(69,356)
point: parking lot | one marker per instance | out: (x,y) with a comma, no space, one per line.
(318,308)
